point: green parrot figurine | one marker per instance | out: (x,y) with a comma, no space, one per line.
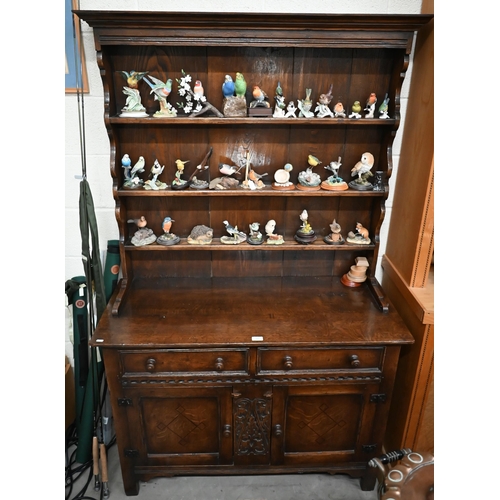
(240,85)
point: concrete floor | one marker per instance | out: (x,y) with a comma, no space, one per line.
(267,487)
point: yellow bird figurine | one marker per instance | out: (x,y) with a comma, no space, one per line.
(313,161)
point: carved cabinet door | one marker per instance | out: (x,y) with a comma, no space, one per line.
(321,425)
(252,408)
(180,426)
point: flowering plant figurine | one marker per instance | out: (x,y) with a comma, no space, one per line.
(195,101)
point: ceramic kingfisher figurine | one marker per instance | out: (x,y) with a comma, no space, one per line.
(133,106)
(167,238)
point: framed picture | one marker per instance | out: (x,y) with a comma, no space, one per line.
(75,70)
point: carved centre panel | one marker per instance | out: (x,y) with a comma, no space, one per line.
(252,419)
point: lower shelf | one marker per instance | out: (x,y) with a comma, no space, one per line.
(183,245)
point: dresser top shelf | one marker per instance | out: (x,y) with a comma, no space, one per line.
(193,312)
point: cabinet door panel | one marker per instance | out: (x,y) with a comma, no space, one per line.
(321,425)
(181,427)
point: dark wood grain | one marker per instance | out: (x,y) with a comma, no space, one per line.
(246,359)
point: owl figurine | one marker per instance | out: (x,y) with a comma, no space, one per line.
(362,172)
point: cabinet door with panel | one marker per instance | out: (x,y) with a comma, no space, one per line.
(182,426)
(322,425)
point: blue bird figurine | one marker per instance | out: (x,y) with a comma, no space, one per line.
(126,164)
(167,224)
(228,87)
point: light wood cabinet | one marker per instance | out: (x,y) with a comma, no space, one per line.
(408,263)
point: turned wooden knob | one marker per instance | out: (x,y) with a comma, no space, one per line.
(227,430)
(277,430)
(354,360)
(288,362)
(150,364)
(219,364)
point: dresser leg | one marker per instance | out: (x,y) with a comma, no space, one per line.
(131,487)
(368,480)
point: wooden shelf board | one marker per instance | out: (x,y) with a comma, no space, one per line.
(183,245)
(245,121)
(266,191)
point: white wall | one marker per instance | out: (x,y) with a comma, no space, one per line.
(97,144)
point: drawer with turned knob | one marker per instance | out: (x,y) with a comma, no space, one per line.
(280,360)
(184,361)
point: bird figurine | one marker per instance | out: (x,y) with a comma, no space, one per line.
(279,90)
(141,222)
(200,169)
(138,168)
(323,103)
(133,77)
(226,169)
(370,105)
(313,161)
(338,110)
(167,224)
(258,94)
(204,163)
(180,164)
(362,171)
(234,232)
(159,88)
(254,236)
(198,89)
(156,170)
(326,98)
(270,227)
(240,85)
(291,110)
(228,87)
(126,164)
(254,176)
(384,107)
(305,105)
(273,239)
(356,110)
